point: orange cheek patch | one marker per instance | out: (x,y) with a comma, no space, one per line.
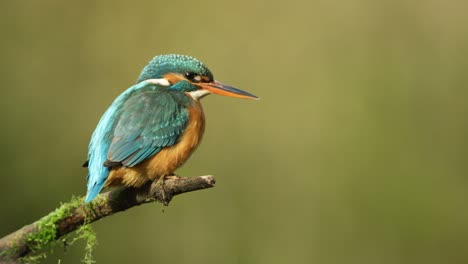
(173,77)
(205,79)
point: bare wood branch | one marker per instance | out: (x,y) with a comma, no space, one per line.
(17,244)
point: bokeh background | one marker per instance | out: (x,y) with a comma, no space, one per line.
(357,152)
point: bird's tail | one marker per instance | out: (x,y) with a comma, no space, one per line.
(96,179)
(93,191)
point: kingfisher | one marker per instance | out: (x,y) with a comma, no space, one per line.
(153,127)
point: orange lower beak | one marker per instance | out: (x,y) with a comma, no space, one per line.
(226,90)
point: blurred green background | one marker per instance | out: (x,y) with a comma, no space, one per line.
(357,152)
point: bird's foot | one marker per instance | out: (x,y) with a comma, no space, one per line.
(164,196)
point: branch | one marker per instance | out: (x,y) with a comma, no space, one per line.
(72,215)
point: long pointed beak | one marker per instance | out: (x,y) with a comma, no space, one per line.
(226,90)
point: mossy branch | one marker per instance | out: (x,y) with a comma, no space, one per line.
(74,214)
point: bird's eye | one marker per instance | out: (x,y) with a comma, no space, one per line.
(193,77)
(190,76)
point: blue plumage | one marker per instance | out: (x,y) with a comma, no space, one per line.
(138,124)
(150,120)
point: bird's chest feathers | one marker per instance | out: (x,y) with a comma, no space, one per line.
(170,158)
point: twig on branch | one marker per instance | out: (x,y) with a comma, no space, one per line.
(72,215)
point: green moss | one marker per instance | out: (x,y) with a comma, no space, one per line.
(96,203)
(87,233)
(47,226)
(46,233)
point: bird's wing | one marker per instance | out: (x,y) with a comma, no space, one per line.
(139,123)
(149,121)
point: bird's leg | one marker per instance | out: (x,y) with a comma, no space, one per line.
(160,182)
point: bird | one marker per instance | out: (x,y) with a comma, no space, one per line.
(153,127)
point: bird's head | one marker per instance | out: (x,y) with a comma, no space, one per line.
(187,74)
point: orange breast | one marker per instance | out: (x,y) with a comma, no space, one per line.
(168,159)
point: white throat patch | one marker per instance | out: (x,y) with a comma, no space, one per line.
(198,94)
(161,81)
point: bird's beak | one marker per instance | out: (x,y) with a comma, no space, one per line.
(226,90)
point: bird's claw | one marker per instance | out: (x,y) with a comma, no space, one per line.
(164,197)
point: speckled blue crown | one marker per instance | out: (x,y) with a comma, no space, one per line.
(175,63)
